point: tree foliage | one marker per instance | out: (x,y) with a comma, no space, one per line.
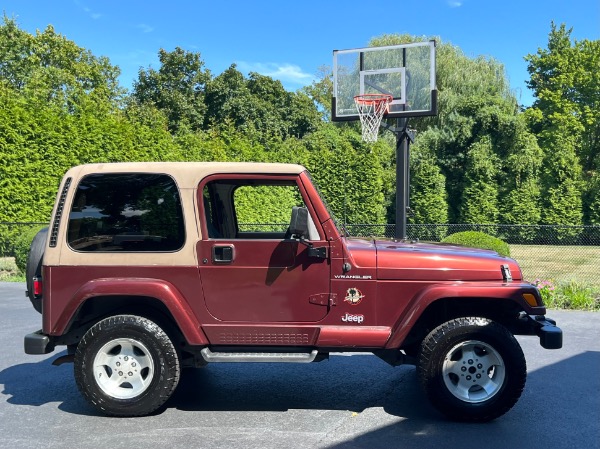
(566,84)
(479,203)
(428,198)
(320,91)
(49,68)
(176,88)
(259,106)
(348,173)
(566,119)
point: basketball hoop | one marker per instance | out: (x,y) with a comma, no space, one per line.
(371,108)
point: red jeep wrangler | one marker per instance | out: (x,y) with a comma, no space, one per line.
(147,268)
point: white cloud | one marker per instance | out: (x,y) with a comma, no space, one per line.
(92,14)
(145,28)
(290,75)
(455,3)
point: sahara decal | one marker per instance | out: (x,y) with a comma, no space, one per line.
(349,318)
(354,296)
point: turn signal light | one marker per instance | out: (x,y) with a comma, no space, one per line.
(530,299)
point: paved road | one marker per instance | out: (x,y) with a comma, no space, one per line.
(353,401)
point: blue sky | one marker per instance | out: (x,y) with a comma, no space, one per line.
(291,40)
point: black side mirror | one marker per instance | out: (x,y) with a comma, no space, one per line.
(299,222)
(299,229)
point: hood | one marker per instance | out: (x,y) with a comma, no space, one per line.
(440,262)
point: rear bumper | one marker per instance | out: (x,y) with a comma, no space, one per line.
(38,343)
(545,328)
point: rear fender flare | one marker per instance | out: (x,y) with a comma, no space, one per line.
(159,289)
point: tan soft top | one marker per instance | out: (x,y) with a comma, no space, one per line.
(187,174)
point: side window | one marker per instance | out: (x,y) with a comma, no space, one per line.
(265,208)
(250,209)
(126,212)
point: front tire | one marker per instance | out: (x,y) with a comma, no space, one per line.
(126,365)
(472,369)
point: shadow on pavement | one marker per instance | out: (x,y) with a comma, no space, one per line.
(40,383)
(560,408)
(558,398)
(343,383)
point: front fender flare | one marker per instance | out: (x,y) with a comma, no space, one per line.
(492,290)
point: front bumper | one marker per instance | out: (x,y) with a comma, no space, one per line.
(38,343)
(545,328)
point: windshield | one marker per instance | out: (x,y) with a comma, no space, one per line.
(338,224)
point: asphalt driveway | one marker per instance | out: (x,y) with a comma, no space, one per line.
(350,401)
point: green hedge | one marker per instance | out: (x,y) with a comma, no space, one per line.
(21,246)
(477,239)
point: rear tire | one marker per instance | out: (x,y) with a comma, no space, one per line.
(126,366)
(472,369)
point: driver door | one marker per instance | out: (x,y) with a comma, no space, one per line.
(251,271)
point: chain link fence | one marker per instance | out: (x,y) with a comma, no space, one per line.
(545,252)
(511,234)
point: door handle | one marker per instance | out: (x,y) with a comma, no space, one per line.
(223,253)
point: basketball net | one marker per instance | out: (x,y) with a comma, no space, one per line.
(371,108)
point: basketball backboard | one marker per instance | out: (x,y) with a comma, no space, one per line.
(406,71)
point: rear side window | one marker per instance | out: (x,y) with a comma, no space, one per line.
(126,212)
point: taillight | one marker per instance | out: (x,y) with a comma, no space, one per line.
(37,286)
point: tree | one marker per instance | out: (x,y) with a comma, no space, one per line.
(348,174)
(479,202)
(228,99)
(561,177)
(592,201)
(565,82)
(519,185)
(321,91)
(49,68)
(259,106)
(176,88)
(566,118)
(428,201)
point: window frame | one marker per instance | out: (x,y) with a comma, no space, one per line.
(249,180)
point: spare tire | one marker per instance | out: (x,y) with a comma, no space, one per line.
(34,266)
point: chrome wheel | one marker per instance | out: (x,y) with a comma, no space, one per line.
(123,368)
(473,371)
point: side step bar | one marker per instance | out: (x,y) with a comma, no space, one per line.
(268,357)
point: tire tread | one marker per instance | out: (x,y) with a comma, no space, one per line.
(441,339)
(149,401)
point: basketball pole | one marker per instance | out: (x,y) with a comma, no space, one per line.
(395,76)
(404,137)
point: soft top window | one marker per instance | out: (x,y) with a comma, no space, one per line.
(126,212)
